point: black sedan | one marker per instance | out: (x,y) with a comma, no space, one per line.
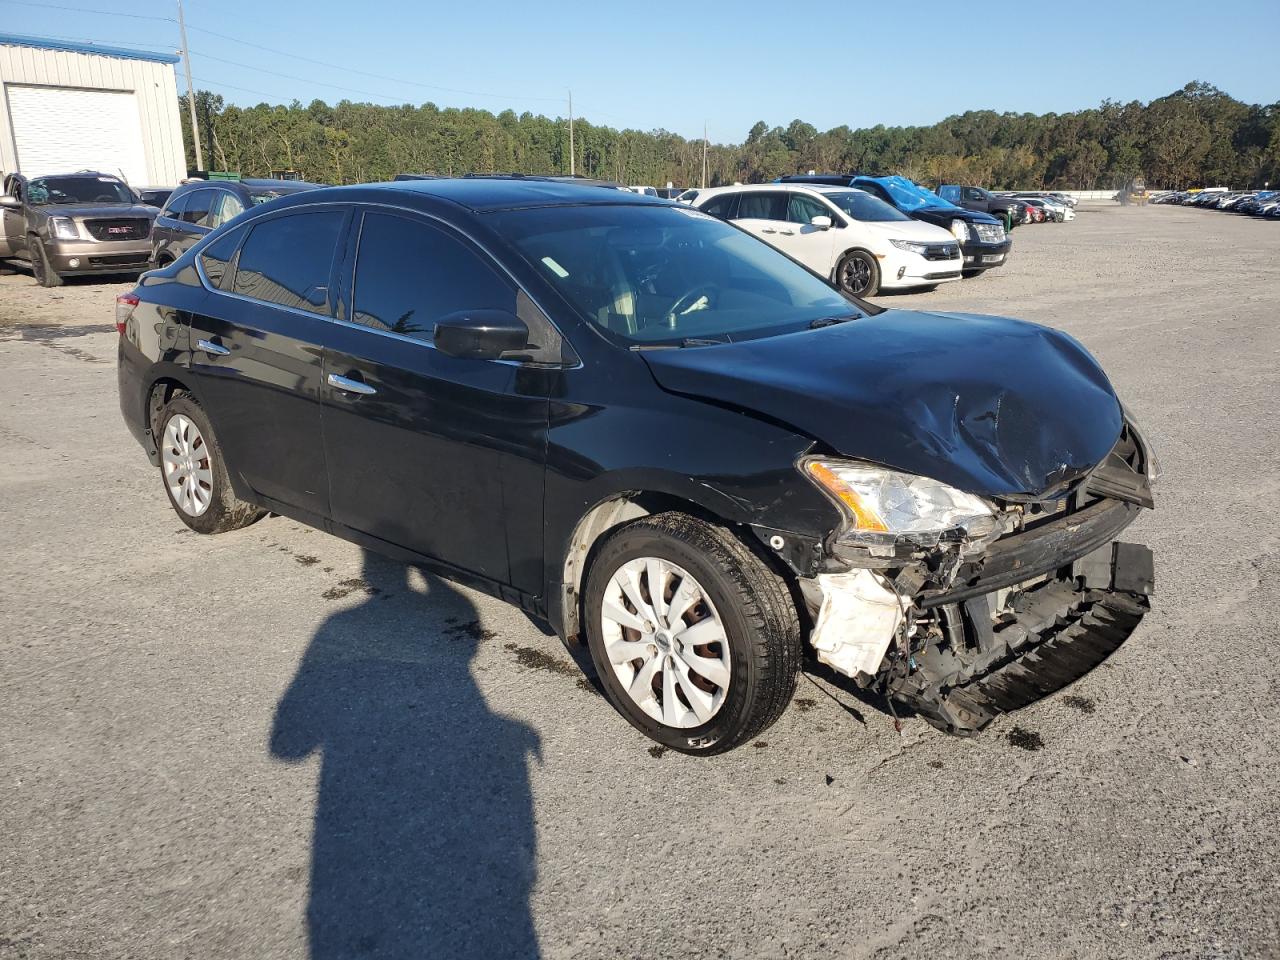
(654,432)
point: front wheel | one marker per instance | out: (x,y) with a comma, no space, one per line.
(858,274)
(695,639)
(41,269)
(194,473)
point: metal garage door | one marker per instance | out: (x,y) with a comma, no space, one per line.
(63,129)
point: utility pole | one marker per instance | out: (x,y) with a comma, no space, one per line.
(191,94)
(572,168)
(704,154)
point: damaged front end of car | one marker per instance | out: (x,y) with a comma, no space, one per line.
(964,607)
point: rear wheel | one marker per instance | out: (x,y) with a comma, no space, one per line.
(858,274)
(696,641)
(194,473)
(41,269)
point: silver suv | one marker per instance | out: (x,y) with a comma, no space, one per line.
(73,224)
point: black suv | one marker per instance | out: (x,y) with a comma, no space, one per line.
(197,207)
(651,429)
(984,240)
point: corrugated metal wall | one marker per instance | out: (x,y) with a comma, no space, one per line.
(153,84)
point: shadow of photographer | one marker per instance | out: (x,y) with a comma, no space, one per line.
(424,836)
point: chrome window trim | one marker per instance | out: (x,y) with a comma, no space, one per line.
(356,206)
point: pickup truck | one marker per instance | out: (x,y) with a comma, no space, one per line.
(1007,209)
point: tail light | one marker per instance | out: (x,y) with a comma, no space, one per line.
(125,304)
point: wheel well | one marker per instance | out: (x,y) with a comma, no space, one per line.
(608,515)
(835,271)
(161,392)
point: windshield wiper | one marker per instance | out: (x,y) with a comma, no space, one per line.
(686,342)
(832,321)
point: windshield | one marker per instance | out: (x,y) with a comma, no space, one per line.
(862,206)
(908,196)
(650,274)
(78,190)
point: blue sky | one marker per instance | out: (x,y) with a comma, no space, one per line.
(674,65)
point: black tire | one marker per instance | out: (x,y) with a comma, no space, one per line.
(225,512)
(756,610)
(41,269)
(858,269)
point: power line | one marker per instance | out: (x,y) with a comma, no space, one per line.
(364,73)
(104,13)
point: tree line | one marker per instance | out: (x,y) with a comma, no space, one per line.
(1196,136)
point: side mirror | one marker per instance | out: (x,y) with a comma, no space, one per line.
(9,201)
(481,334)
(821,222)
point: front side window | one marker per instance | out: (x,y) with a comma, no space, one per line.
(196,212)
(175,207)
(802,209)
(722,206)
(287,260)
(410,274)
(862,206)
(759,205)
(667,275)
(78,190)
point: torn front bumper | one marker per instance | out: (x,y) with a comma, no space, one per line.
(996,652)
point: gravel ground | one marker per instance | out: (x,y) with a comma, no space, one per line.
(267,744)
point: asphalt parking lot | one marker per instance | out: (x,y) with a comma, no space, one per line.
(267,744)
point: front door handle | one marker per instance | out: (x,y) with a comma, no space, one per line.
(217,349)
(347,385)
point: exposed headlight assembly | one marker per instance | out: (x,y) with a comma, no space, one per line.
(960,230)
(883,508)
(63,228)
(910,246)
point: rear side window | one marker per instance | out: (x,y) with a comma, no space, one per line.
(949,193)
(226,207)
(410,274)
(287,260)
(762,206)
(216,257)
(173,209)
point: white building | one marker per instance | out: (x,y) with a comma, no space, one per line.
(78,106)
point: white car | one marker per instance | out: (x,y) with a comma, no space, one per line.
(644,191)
(852,238)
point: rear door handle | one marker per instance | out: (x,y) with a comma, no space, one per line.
(217,349)
(768,230)
(347,385)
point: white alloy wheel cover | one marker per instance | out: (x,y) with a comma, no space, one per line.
(666,642)
(187,465)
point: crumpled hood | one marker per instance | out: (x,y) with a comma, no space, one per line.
(992,406)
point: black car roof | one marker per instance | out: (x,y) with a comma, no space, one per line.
(482,194)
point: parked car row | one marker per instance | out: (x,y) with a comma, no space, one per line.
(1257,203)
(864,233)
(87,222)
